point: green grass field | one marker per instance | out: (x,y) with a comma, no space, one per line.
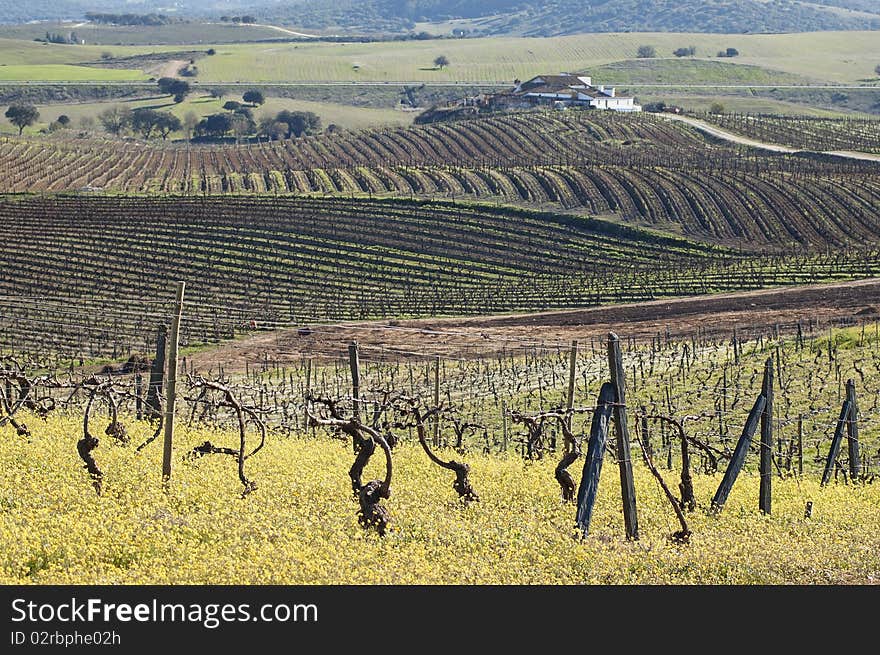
(345,116)
(175,33)
(839,57)
(68,73)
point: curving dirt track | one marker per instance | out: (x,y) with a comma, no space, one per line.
(480,336)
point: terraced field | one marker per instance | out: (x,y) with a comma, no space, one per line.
(641,168)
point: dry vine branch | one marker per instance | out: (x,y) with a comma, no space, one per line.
(369,495)
(243,414)
(683,535)
(462,485)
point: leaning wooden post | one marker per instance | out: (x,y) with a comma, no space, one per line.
(766,462)
(355,365)
(835,442)
(739,455)
(572,373)
(157,371)
(436,436)
(627,486)
(852,429)
(171,382)
(589,486)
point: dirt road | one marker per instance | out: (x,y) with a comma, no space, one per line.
(718,133)
(483,335)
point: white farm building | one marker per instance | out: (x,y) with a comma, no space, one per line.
(566,90)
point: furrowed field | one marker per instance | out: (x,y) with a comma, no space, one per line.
(299,526)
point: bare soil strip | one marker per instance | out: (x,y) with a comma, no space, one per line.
(480,336)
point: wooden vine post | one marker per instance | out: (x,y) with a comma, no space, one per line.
(852,429)
(835,442)
(171,382)
(739,454)
(627,486)
(157,370)
(572,373)
(589,486)
(435,440)
(766,462)
(355,365)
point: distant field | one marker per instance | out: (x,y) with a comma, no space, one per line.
(345,116)
(839,57)
(67,73)
(175,33)
(690,71)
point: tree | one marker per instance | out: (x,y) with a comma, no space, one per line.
(690,51)
(215,125)
(646,52)
(64,120)
(210,51)
(716,108)
(173,87)
(732,52)
(231,105)
(144,121)
(441,61)
(877,69)
(272,128)
(254,97)
(299,122)
(22,115)
(115,119)
(166,123)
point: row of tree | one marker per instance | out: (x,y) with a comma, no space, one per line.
(649,52)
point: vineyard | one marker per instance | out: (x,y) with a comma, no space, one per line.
(824,134)
(641,168)
(509,427)
(88,274)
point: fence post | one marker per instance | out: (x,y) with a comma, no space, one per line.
(835,442)
(308,392)
(801,445)
(355,365)
(436,438)
(157,370)
(589,486)
(572,373)
(504,426)
(739,455)
(627,487)
(766,462)
(139,396)
(171,382)
(852,428)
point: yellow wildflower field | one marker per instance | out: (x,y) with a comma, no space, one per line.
(300,525)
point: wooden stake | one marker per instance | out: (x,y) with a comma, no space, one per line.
(835,442)
(852,428)
(589,486)
(627,486)
(739,455)
(766,461)
(171,382)
(355,366)
(436,437)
